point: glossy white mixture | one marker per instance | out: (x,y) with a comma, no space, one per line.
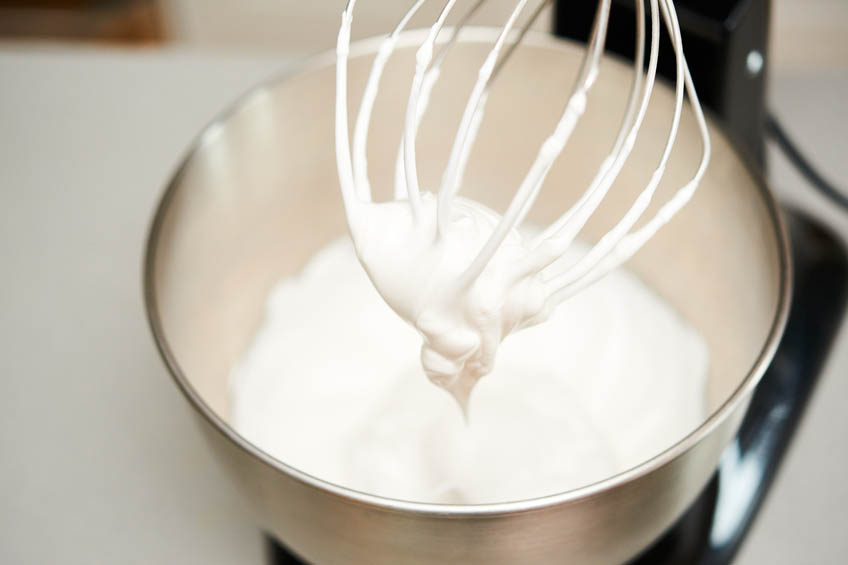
(331,385)
(419,272)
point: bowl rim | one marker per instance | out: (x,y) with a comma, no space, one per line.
(408,38)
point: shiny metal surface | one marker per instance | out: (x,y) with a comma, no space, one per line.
(258,195)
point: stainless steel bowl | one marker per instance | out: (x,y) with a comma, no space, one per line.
(258,194)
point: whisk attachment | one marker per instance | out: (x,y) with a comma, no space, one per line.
(458,272)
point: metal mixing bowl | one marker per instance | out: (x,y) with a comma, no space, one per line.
(258,194)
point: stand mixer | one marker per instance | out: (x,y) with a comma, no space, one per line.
(222,189)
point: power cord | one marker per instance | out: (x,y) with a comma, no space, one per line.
(785,143)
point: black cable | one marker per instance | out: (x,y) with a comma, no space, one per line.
(778,134)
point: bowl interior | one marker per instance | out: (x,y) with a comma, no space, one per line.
(259,195)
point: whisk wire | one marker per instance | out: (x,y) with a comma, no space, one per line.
(550,149)
(608,241)
(628,244)
(448,188)
(422,61)
(431,77)
(429,82)
(343,158)
(563,231)
(363,119)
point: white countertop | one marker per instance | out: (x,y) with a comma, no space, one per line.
(101,460)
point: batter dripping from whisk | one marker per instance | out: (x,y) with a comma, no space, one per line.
(460,273)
